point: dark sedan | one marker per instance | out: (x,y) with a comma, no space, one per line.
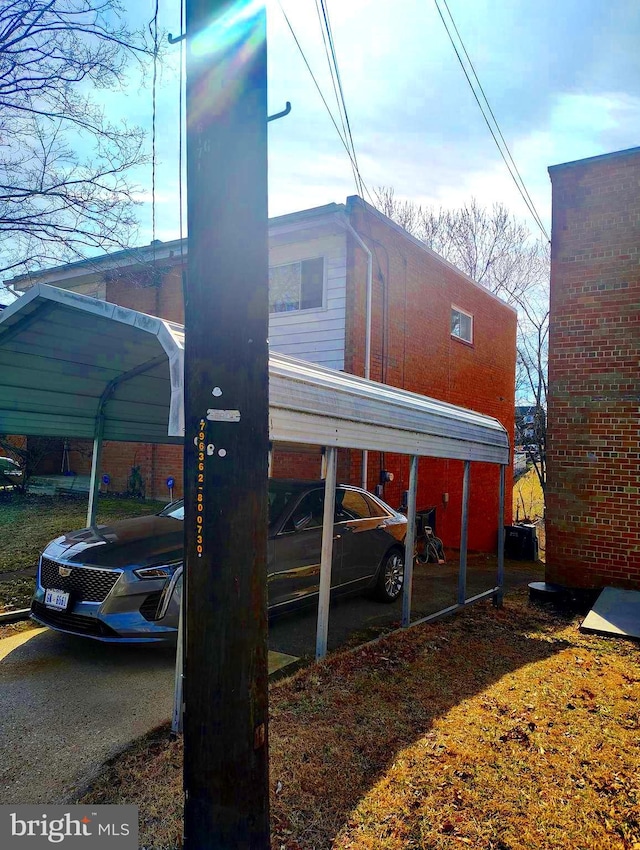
(123,582)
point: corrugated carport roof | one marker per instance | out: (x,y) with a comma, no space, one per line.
(61,354)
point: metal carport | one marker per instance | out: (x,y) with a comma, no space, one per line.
(74,366)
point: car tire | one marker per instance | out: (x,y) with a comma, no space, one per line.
(390,579)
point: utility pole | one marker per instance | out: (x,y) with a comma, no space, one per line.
(226,428)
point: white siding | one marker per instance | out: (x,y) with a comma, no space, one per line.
(316,335)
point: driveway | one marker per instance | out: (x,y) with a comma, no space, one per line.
(68,704)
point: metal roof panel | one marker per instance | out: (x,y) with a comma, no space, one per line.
(60,351)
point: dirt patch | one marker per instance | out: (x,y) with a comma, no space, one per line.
(496,729)
(15,628)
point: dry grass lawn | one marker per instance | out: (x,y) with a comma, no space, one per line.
(495,730)
(528,499)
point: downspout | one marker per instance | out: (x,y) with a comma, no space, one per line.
(367,339)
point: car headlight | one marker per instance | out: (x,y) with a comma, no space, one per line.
(165,571)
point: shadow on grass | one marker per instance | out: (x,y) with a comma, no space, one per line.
(337,727)
(347,720)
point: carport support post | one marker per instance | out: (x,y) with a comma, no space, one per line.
(462,575)
(497,598)
(409,544)
(94,483)
(178,698)
(326,557)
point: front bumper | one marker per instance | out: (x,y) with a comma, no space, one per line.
(119,617)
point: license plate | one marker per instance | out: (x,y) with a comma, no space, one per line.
(58,599)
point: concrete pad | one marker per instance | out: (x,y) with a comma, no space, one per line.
(278,660)
(616,612)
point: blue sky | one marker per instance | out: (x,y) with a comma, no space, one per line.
(563,78)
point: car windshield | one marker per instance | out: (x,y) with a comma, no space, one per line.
(175,510)
(280,495)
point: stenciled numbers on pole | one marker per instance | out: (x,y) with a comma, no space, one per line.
(208,450)
(200,444)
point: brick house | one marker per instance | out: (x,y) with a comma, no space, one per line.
(433,331)
(593,448)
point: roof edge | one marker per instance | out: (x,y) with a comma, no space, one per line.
(603,156)
(356,200)
(174,249)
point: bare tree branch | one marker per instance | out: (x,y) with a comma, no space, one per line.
(64,188)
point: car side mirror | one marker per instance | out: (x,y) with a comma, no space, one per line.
(301,522)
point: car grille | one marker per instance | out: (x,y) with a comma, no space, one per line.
(71,622)
(149,608)
(85,584)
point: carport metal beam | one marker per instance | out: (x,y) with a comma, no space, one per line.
(497,599)
(410,542)
(324,597)
(94,485)
(462,574)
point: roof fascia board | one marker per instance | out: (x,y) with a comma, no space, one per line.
(354,200)
(326,222)
(306,215)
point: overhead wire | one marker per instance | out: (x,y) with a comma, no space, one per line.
(153,29)
(317,85)
(495,120)
(518,181)
(335,89)
(361,186)
(327,23)
(183,273)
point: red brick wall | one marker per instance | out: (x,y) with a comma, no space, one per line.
(412,347)
(140,292)
(593,517)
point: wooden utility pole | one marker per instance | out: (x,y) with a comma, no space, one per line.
(226,428)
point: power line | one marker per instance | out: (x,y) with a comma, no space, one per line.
(519,182)
(317,85)
(327,22)
(153,28)
(335,88)
(360,184)
(495,120)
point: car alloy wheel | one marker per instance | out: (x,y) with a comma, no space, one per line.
(391,577)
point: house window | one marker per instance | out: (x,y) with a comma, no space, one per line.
(461,324)
(296,286)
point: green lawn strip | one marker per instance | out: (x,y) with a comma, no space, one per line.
(28,523)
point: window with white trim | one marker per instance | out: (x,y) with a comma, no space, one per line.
(461,324)
(296,286)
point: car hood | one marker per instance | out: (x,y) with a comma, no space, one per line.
(142,542)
